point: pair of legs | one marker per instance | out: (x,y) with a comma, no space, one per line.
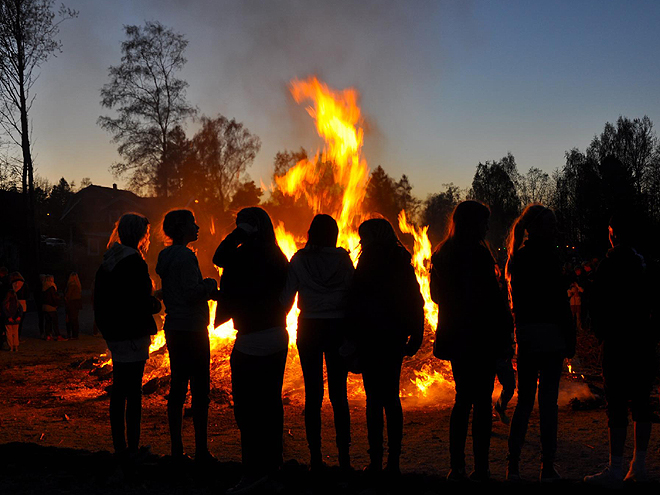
(381,373)
(628,375)
(72,322)
(126,405)
(51,324)
(190,358)
(316,338)
(12,336)
(546,367)
(474,378)
(257,390)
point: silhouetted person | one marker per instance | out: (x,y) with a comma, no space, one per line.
(50,301)
(21,289)
(185,294)
(73,305)
(474,330)
(321,273)
(387,317)
(625,298)
(123,309)
(253,278)
(12,313)
(39,301)
(545,333)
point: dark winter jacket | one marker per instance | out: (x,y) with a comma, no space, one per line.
(625,300)
(12,311)
(184,293)
(123,301)
(322,277)
(51,299)
(385,306)
(541,308)
(473,314)
(253,278)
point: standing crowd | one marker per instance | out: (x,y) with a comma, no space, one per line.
(367,319)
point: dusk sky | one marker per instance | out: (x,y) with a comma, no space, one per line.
(443,84)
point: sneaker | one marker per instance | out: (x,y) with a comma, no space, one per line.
(247,484)
(61,339)
(501,412)
(635,475)
(457,475)
(549,474)
(606,478)
(479,476)
(49,337)
(205,459)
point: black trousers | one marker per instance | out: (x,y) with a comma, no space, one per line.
(257,390)
(190,358)
(474,378)
(316,338)
(546,368)
(126,402)
(628,373)
(381,373)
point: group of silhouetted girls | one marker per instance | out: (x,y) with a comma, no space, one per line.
(368,317)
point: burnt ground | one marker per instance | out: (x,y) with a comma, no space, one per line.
(55,435)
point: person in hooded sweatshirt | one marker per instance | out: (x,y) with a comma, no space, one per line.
(123,311)
(21,289)
(321,274)
(186,294)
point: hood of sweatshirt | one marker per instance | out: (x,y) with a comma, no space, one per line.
(115,254)
(325,268)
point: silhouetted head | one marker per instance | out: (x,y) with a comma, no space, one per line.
(257,218)
(469,221)
(132,230)
(537,221)
(377,232)
(323,231)
(180,226)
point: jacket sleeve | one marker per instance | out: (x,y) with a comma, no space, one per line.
(227,248)
(192,288)
(415,303)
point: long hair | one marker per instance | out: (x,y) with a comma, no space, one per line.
(132,230)
(529,221)
(465,226)
(379,241)
(257,217)
(73,281)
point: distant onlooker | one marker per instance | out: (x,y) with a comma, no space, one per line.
(12,313)
(21,289)
(73,305)
(50,300)
(575,297)
(38,300)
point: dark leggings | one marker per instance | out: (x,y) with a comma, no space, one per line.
(317,337)
(256,383)
(474,379)
(546,368)
(126,401)
(51,324)
(381,374)
(190,358)
(73,323)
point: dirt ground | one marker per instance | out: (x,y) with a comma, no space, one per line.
(55,434)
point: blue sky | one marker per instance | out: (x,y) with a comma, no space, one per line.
(443,84)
